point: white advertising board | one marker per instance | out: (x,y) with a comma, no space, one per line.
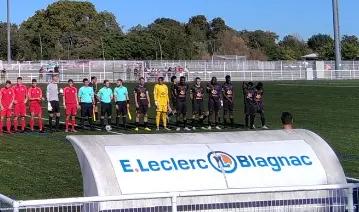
(190,167)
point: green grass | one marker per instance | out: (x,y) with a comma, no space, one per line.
(34,166)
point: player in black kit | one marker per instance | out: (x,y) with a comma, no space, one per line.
(228,101)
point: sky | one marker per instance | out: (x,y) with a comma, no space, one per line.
(303,18)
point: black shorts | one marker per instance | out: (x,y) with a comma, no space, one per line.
(174,103)
(197,107)
(122,108)
(249,108)
(55,107)
(181,107)
(228,106)
(86,109)
(214,105)
(106,108)
(259,108)
(142,109)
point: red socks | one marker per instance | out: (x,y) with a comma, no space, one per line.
(8,125)
(32,123)
(23,124)
(73,124)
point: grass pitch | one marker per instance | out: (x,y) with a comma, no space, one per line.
(34,166)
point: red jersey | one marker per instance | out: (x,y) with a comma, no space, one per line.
(34,93)
(20,93)
(70,94)
(7,97)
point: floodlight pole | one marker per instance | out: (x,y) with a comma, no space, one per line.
(8,33)
(338,55)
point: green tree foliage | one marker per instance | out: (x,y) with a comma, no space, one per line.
(3,41)
(293,48)
(323,45)
(350,47)
(67,30)
(75,30)
(263,41)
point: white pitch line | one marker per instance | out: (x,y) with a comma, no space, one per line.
(61,122)
(325,86)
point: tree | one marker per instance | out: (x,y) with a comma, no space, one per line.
(3,41)
(323,45)
(263,41)
(293,48)
(198,30)
(172,39)
(67,30)
(350,47)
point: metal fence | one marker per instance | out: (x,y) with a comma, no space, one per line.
(240,70)
(326,198)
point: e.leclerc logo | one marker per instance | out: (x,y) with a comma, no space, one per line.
(222,162)
(219,161)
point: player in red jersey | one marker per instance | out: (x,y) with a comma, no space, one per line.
(7,98)
(71,104)
(20,91)
(34,94)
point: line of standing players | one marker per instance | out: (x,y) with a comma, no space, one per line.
(14,99)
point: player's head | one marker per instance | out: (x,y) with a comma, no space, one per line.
(19,80)
(106,83)
(259,86)
(142,81)
(214,80)
(173,79)
(70,82)
(182,80)
(249,84)
(86,82)
(228,79)
(160,80)
(197,81)
(55,78)
(94,79)
(8,84)
(119,82)
(34,82)
(287,120)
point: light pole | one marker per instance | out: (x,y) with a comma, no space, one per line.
(338,55)
(8,33)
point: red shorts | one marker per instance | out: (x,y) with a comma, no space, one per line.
(6,113)
(71,109)
(35,107)
(20,109)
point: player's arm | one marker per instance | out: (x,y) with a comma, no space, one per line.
(79,95)
(191,93)
(115,94)
(111,95)
(64,99)
(12,99)
(1,107)
(148,99)
(40,98)
(98,95)
(154,94)
(93,97)
(29,94)
(168,100)
(135,95)
(47,92)
(26,95)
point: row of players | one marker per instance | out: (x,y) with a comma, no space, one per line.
(13,100)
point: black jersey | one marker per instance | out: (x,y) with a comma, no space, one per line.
(214,91)
(197,92)
(181,92)
(141,94)
(228,91)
